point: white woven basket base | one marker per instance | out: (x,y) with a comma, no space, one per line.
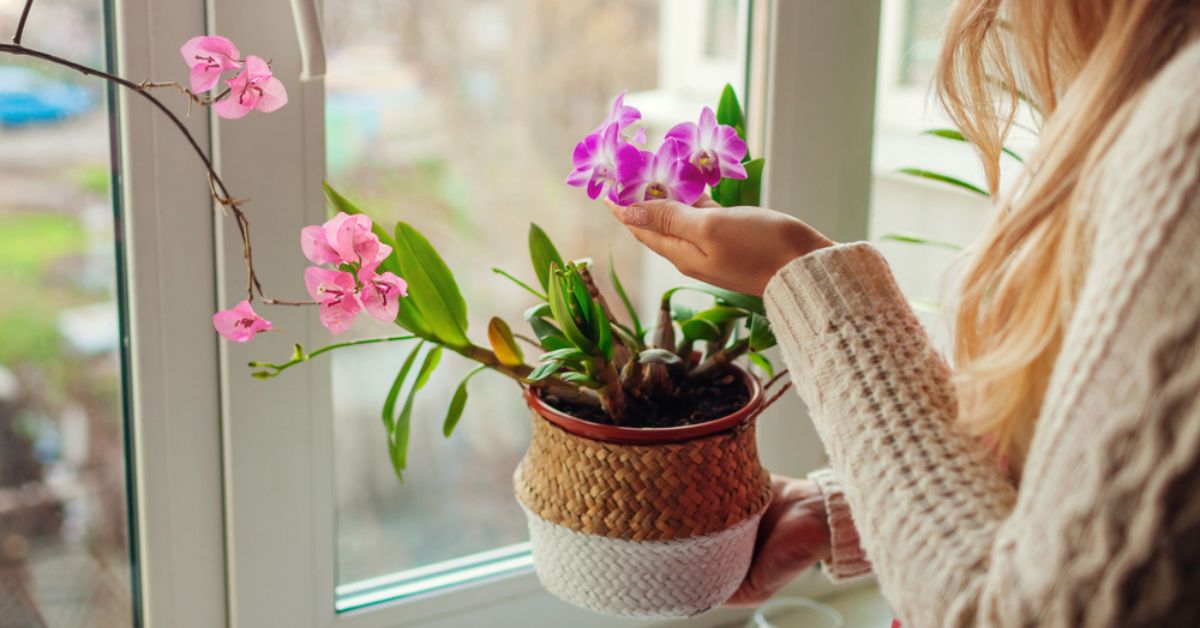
(678,578)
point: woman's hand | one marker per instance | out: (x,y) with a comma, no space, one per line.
(793,535)
(737,248)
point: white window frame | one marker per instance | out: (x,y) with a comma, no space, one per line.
(236,508)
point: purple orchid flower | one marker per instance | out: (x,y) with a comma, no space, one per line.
(624,115)
(662,175)
(596,159)
(714,149)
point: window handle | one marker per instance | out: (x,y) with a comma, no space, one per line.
(312,44)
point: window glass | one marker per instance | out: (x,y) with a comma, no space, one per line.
(64,534)
(460,116)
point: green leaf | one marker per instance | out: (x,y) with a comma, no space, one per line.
(680,312)
(389,405)
(942,178)
(736,299)
(699,329)
(562,313)
(542,253)
(581,379)
(729,111)
(627,338)
(569,353)
(541,310)
(548,335)
(408,316)
(457,403)
(761,337)
(582,298)
(750,190)
(658,356)
(505,347)
(761,361)
(431,286)
(603,331)
(545,370)
(909,238)
(722,314)
(629,309)
(399,442)
(956,135)
(520,283)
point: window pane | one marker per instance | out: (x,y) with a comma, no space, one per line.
(64,535)
(459,117)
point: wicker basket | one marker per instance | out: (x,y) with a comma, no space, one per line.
(643,522)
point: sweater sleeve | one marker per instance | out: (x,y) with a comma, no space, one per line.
(1106,528)
(847,560)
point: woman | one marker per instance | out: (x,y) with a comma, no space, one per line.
(1054,477)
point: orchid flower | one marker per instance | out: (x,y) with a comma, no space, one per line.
(253,88)
(715,149)
(596,159)
(343,239)
(622,114)
(334,290)
(239,323)
(209,56)
(381,293)
(661,175)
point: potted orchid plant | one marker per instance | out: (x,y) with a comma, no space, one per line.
(642,485)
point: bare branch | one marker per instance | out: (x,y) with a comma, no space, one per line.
(21,23)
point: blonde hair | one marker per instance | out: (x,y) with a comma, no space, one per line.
(1080,65)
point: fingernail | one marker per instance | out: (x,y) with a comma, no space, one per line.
(635,215)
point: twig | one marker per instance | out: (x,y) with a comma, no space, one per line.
(777,377)
(21,23)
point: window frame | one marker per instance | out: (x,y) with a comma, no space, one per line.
(235,491)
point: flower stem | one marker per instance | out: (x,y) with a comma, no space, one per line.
(21,23)
(301,356)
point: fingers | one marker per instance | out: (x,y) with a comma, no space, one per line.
(665,217)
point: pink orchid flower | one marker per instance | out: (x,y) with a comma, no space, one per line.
(239,323)
(381,293)
(624,115)
(596,159)
(253,88)
(343,239)
(655,176)
(334,290)
(209,56)
(715,149)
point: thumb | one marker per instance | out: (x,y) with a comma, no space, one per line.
(666,217)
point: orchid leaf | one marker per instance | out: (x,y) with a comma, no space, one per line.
(580,379)
(500,336)
(603,331)
(908,238)
(729,111)
(680,312)
(562,312)
(431,286)
(722,314)
(761,337)
(700,329)
(550,337)
(629,309)
(399,443)
(737,299)
(566,354)
(527,287)
(457,403)
(545,370)
(542,253)
(750,189)
(658,356)
(956,135)
(761,361)
(408,316)
(944,178)
(541,310)
(582,298)
(628,338)
(389,404)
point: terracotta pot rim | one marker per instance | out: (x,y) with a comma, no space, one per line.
(650,435)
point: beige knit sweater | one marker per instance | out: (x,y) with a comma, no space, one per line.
(1105,529)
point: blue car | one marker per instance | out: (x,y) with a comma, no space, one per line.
(27,98)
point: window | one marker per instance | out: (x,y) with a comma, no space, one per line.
(64,525)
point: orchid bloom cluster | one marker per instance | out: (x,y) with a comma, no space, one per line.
(252,87)
(693,155)
(344,280)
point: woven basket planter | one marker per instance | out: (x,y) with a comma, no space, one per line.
(653,522)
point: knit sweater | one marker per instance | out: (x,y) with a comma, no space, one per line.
(1105,528)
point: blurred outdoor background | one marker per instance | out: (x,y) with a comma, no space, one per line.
(64,547)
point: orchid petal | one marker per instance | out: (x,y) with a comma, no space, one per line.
(239,323)
(274,95)
(316,247)
(381,294)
